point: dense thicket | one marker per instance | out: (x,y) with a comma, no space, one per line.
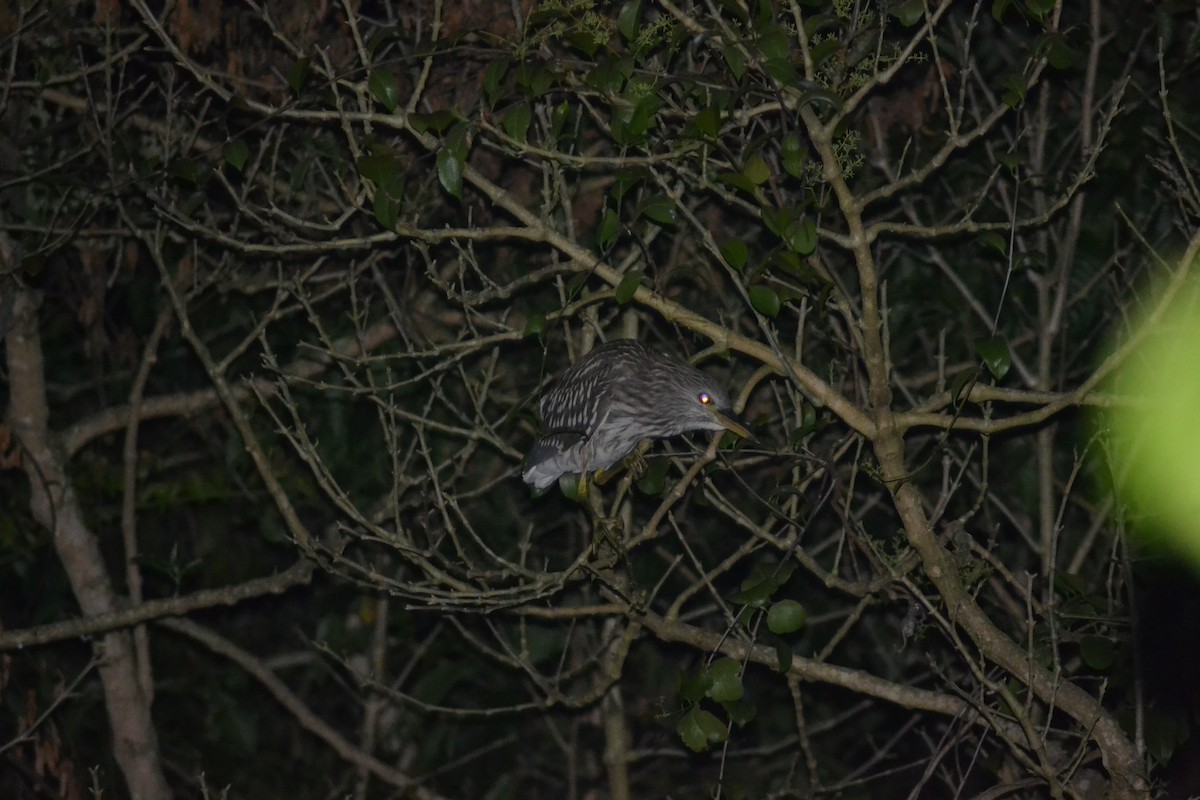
(282,282)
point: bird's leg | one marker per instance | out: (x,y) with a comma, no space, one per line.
(635,462)
(607,533)
(603,476)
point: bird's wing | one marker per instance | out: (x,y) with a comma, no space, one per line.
(580,400)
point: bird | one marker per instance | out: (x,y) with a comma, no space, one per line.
(618,395)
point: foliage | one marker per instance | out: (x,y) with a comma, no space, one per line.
(303,271)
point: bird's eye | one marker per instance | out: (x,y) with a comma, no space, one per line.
(704,398)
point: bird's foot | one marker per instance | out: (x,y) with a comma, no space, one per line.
(607,533)
(635,462)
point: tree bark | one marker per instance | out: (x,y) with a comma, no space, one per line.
(55,506)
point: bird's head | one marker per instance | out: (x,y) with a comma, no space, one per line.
(692,401)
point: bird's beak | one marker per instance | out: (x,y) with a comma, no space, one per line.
(730,422)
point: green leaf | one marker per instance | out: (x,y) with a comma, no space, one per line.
(961,382)
(735,60)
(298,74)
(724,680)
(782,70)
(1063,56)
(236,152)
(765,300)
(1013,90)
(516,121)
(1054,48)
(808,424)
(569,484)
(820,95)
(576,284)
(383,87)
(188,170)
(707,122)
(1040,8)
(607,76)
(585,42)
(758,588)
(1097,652)
(492,75)
(536,79)
(437,122)
(457,142)
(755,594)
(654,480)
(693,683)
(996,356)
(1166,729)
(1070,584)
(756,170)
(700,729)
(1010,160)
(607,231)
(559,117)
(801,236)
(660,209)
(995,241)
(449,171)
(786,616)
(793,155)
(535,325)
(627,179)
(783,651)
(627,20)
(383,37)
(910,12)
(778,219)
(740,711)
(386,210)
(998,9)
(380,167)
(824,50)
(773,41)
(629,284)
(642,118)
(737,180)
(735,253)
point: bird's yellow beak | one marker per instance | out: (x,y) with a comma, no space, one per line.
(731,423)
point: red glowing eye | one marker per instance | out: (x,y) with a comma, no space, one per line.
(705,399)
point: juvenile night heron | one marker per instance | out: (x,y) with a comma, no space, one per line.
(619,394)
